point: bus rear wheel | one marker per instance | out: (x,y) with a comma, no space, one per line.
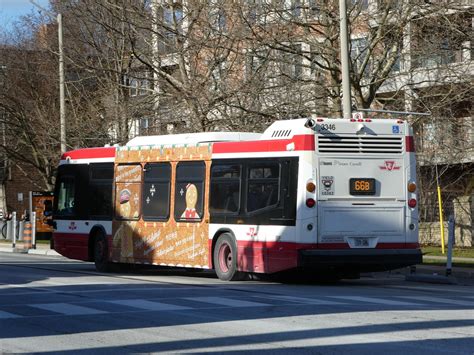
(101,253)
(225,258)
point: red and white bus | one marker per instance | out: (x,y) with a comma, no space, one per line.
(329,195)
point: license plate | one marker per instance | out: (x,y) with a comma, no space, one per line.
(362,186)
(361,242)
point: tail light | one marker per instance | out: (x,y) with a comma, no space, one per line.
(411,187)
(409,144)
(310,202)
(412,203)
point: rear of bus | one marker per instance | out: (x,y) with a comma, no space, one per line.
(367,214)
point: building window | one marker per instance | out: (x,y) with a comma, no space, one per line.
(173,19)
(189,193)
(359,51)
(156,191)
(291,65)
(138,86)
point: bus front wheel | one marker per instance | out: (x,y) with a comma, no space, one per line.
(225,258)
(101,253)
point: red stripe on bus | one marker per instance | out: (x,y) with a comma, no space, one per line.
(301,142)
(90,153)
(73,246)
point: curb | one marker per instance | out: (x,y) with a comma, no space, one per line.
(432,279)
(49,252)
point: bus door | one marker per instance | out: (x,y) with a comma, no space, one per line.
(361,199)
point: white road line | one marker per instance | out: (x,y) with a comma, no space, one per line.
(439,300)
(222,301)
(67,309)
(105,290)
(149,305)
(6,315)
(304,300)
(459,289)
(375,300)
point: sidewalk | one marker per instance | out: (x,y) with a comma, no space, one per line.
(41,249)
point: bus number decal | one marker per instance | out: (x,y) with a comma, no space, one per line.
(327,127)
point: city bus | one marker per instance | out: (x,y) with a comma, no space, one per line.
(332,196)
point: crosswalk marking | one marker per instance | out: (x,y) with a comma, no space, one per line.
(304,300)
(440,300)
(375,300)
(143,304)
(6,315)
(222,301)
(149,305)
(67,309)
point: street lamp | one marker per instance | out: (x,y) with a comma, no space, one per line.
(62,105)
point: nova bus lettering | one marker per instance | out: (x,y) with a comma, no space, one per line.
(329,195)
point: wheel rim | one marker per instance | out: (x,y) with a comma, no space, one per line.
(225,257)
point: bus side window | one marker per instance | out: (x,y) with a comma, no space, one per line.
(66,194)
(156,191)
(263,186)
(225,188)
(100,190)
(189,191)
(128,179)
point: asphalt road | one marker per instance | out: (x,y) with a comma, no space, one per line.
(53,305)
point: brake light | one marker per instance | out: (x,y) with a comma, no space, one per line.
(320,119)
(353,119)
(409,144)
(411,187)
(368,120)
(412,203)
(310,202)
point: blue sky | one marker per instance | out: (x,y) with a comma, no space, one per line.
(11,10)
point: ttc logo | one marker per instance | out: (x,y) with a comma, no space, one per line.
(389,165)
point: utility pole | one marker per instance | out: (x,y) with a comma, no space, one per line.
(346,84)
(62,103)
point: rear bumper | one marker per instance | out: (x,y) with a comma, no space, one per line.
(360,260)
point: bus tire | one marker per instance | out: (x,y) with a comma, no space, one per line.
(225,258)
(101,253)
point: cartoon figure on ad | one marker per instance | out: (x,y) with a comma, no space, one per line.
(191,200)
(124,235)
